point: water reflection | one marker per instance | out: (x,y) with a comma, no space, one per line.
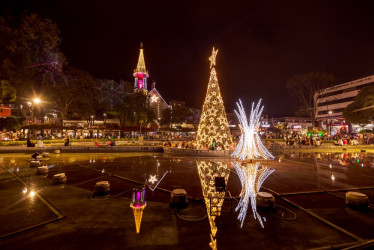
(213,179)
(251,176)
(342,159)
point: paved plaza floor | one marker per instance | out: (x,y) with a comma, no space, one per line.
(310,209)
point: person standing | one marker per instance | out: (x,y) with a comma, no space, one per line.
(67,140)
(214,144)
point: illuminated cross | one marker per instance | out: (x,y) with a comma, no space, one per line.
(154,98)
(212,58)
(152,179)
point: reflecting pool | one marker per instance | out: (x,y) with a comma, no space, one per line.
(219,185)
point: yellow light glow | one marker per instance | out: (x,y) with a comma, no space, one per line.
(212,58)
(36,100)
(208,171)
(138,214)
(213,121)
(32,194)
(24,190)
(154,98)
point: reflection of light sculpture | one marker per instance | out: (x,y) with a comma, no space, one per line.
(152,179)
(250,145)
(213,199)
(251,177)
(138,204)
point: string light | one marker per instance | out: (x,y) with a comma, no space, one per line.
(212,58)
(152,179)
(154,98)
(213,123)
(250,145)
(251,178)
(213,199)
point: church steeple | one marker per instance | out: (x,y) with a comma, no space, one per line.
(140,73)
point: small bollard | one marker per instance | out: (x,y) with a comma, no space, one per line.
(356,200)
(34,163)
(102,188)
(265,200)
(42,170)
(45,154)
(363,150)
(59,178)
(57,151)
(178,198)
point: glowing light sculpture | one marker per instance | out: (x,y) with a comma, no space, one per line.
(250,145)
(213,121)
(251,177)
(138,204)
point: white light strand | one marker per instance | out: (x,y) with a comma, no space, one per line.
(250,145)
(251,178)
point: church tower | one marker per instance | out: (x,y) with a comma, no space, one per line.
(140,73)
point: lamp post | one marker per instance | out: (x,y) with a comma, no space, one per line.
(30,111)
(92,123)
(104,124)
(329,123)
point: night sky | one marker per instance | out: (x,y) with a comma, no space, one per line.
(261,43)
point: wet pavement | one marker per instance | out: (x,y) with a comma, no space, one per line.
(310,207)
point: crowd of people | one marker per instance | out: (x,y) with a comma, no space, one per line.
(192,145)
(338,140)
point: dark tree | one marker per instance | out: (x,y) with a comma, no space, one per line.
(361,110)
(111,93)
(166,116)
(30,56)
(77,95)
(10,123)
(306,87)
(7,92)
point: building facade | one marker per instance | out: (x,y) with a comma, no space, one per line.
(333,100)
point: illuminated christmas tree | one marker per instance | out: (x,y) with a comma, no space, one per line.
(213,123)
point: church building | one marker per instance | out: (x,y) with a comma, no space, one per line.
(141,75)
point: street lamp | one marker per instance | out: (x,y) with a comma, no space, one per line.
(30,111)
(329,123)
(104,124)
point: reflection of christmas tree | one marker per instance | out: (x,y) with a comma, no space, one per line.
(213,198)
(213,122)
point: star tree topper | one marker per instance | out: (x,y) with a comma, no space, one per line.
(212,58)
